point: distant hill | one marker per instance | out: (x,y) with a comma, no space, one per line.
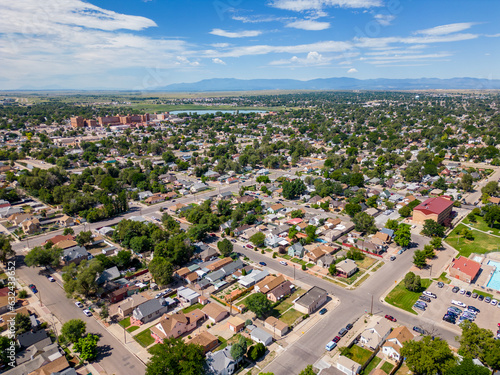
(341,83)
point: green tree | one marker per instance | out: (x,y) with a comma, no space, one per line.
(437,243)
(87,347)
(175,357)
(432,229)
(412,282)
(419,259)
(466,182)
(140,244)
(67,231)
(308,371)
(256,351)
(292,233)
(491,188)
(428,356)
(405,211)
(22,323)
(364,222)
(225,247)
(355,254)
(476,342)
(297,214)
(429,251)
(259,304)
(258,239)
(403,236)
(73,330)
(198,232)
(239,349)
(161,270)
(332,269)
(84,238)
(43,256)
(392,224)
(467,367)
(5,343)
(492,215)
(6,251)
(467,234)
(293,189)
(311,232)
(352,209)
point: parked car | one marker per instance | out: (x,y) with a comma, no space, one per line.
(421,303)
(429,294)
(87,312)
(494,302)
(462,291)
(282,262)
(455,289)
(249,246)
(323,311)
(342,332)
(487,299)
(79,304)
(418,306)
(348,327)
(419,330)
(424,298)
(263,263)
(440,284)
(468,293)
(458,303)
(456,310)
(392,258)
(473,308)
(391,318)
(336,339)
(474,295)
(233,241)
(330,346)
(51,279)
(449,319)
(480,297)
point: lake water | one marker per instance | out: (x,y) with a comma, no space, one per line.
(211,111)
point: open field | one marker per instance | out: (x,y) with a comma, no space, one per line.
(482,243)
(403,298)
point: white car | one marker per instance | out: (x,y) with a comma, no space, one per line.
(79,304)
(429,294)
(462,291)
(283,263)
(494,302)
(458,303)
(87,312)
(51,279)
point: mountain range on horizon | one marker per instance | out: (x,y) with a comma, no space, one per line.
(337,83)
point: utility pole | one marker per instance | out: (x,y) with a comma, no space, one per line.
(371,307)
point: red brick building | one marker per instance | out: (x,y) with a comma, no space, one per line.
(437,209)
(464,269)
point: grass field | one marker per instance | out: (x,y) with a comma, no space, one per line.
(482,243)
(387,367)
(192,307)
(483,293)
(482,225)
(144,338)
(291,316)
(357,354)
(404,299)
(365,263)
(443,278)
(373,363)
(132,329)
(125,322)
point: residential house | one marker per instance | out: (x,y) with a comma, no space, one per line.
(215,312)
(206,340)
(311,300)
(252,278)
(31,226)
(56,239)
(66,221)
(18,218)
(187,295)
(394,342)
(108,275)
(208,254)
(283,290)
(276,326)
(177,324)
(259,335)
(148,311)
(375,333)
(221,362)
(346,268)
(155,198)
(348,366)
(296,250)
(75,254)
(275,208)
(197,187)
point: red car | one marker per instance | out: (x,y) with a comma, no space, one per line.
(250,246)
(336,339)
(391,318)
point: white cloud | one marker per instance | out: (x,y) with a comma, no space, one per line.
(352,70)
(304,5)
(258,18)
(384,19)
(312,59)
(447,29)
(182,60)
(220,45)
(328,46)
(218,61)
(309,25)
(384,60)
(237,34)
(384,42)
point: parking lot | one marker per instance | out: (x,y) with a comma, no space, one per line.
(488,318)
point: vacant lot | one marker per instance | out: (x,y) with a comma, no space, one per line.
(403,298)
(290,316)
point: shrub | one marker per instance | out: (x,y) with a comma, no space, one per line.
(304,267)
(23,293)
(275,255)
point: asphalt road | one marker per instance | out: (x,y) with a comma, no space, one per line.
(113,356)
(310,347)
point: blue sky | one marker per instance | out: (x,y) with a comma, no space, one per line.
(140,45)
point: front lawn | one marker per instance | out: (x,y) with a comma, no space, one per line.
(366,263)
(291,316)
(125,322)
(404,299)
(483,293)
(483,243)
(443,278)
(357,354)
(482,225)
(144,338)
(132,329)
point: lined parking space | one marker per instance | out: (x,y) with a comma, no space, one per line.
(488,317)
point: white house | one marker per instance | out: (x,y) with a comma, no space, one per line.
(395,341)
(348,366)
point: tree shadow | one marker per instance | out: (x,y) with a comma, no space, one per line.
(103,351)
